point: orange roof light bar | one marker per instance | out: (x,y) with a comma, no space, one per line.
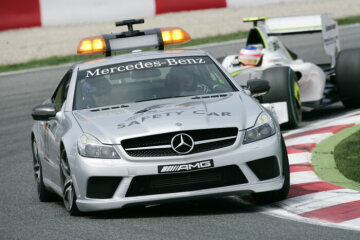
(174,35)
(92,45)
(132,39)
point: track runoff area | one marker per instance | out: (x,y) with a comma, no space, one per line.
(310,198)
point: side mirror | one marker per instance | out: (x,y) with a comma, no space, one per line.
(44,112)
(258,87)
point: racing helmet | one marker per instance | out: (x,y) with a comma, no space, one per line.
(250,56)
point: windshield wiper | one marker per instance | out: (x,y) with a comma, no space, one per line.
(151,99)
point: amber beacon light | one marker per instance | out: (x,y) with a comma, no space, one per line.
(174,36)
(92,45)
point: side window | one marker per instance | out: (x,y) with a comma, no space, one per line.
(61,91)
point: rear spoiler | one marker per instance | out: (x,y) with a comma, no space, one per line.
(321,23)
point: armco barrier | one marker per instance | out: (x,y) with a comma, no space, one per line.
(32,13)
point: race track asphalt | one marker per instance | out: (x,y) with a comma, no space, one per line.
(22,216)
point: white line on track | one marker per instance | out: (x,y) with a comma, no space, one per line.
(36,69)
(303,177)
(327,122)
(297,158)
(350,120)
(314,201)
(355,222)
(284,214)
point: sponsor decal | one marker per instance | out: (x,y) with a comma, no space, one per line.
(186,167)
(140,65)
(331,40)
(137,120)
(330,27)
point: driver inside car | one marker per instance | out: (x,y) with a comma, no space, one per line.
(248,56)
(184,81)
(96,92)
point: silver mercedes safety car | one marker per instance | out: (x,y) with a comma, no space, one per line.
(154,126)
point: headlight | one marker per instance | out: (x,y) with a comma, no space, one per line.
(89,146)
(264,127)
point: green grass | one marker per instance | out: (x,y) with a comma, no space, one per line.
(322,158)
(347,157)
(51,61)
(348,20)
(215,39)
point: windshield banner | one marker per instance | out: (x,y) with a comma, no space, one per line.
(140,65)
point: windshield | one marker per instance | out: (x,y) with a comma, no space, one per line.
(148,80)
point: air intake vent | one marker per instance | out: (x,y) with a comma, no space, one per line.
(183,182)
(265,168)
(102,187)
(108,108)
(210,96)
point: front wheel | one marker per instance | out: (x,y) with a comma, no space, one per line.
(284,88)
(69,195)
(281,194)
(43,194)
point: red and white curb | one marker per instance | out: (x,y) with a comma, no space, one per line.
(311,199)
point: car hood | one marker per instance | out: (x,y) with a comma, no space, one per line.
(111,126)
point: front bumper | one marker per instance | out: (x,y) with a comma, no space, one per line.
(85,168)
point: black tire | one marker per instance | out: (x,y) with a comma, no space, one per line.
(43,193)
(69,194)
(281,194)
(348,77)
(284,88)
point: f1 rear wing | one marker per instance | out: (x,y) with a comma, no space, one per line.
(308,24)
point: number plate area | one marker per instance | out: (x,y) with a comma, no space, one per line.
(186,167)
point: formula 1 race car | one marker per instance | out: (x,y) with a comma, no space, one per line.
(154,126)
(296,85)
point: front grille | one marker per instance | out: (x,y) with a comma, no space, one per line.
(183,182)
(160,145)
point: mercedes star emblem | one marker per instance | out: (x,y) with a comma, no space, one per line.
(182,143)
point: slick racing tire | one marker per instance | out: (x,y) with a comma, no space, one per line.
(284,88)
(43,194)
(69,195)
(281,194)
(348,77)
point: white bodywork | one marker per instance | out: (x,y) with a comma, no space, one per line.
(312,80)
(311,83)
